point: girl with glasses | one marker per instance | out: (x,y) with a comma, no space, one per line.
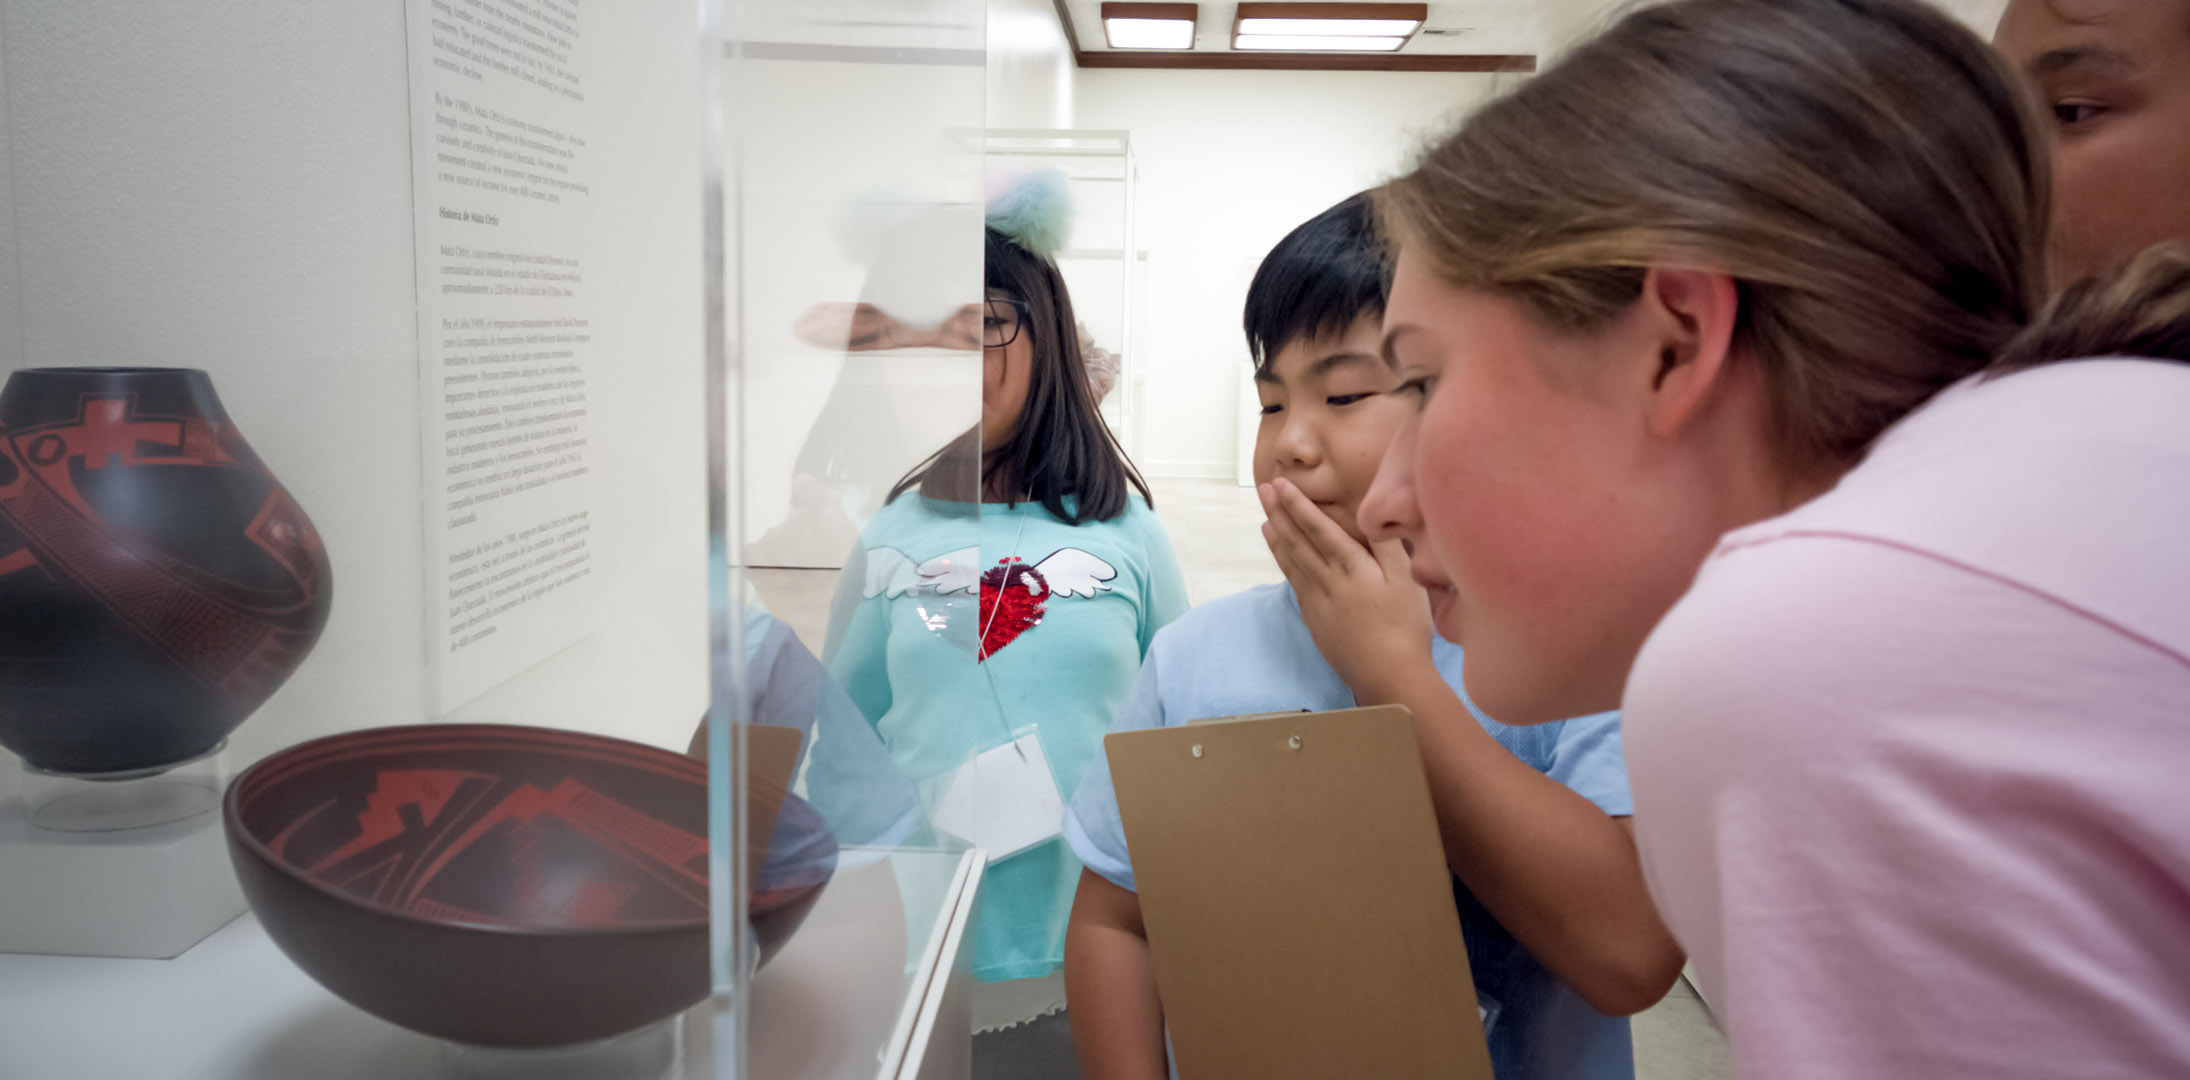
(992,667)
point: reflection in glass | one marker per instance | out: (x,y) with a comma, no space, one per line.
(903,382)
(993,616)
(862,327)
(856,329)
(842,770)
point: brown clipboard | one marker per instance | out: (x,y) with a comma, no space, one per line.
(771,763)
(1300,917)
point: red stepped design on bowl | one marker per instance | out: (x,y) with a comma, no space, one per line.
(502,885)
(157,583)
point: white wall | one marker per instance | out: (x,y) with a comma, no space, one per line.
(228,186)
(862,182)
(11,300)
(1563,23)
(1229,162)
(1030,66)
(1980,15)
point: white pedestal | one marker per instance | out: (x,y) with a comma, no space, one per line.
(871,988)
(148,893)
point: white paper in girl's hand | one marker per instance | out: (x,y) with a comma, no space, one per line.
(1004,801)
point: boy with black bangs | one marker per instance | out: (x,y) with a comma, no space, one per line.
(1559,929)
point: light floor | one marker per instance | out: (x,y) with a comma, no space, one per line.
(1215,525)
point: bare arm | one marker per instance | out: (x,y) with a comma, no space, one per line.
(1555,869)
(1110,989)
(1557,872)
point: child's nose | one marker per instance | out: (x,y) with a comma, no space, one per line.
(1389,510)
(1297,446)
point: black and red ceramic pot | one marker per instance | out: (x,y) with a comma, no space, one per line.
(157,583)
(501,885)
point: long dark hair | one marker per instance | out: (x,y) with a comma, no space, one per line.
(2138,308)
(1060,446)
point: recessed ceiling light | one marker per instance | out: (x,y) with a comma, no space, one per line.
(1317,43)
(1326,27)
(1149,26)
(1330,27)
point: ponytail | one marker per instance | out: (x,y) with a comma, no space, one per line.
(2140,309)
(1733,124)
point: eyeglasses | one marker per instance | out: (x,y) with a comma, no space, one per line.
(993,324)
(1000,321)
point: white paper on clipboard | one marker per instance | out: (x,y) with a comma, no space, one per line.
(1004,800)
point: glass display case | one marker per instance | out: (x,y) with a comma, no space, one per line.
(851,255)
(407,403)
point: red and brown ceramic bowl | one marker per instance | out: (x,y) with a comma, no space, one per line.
(502,885)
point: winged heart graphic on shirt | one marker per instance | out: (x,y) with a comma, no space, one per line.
(1014,594)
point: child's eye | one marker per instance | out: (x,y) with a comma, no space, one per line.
(1342,400)
(1272,410)
(1417,388)
(2072,113)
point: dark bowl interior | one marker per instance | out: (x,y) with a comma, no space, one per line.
(503,885)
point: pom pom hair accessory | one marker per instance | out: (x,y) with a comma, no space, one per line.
(1033,209)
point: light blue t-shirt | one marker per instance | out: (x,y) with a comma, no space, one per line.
(954,631)
(1251,653)
(843,771)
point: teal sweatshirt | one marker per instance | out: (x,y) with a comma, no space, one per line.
(953,631)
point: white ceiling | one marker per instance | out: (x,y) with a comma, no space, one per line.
(1488,26)
(899,24)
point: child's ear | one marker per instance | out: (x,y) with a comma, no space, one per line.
(1690,315)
